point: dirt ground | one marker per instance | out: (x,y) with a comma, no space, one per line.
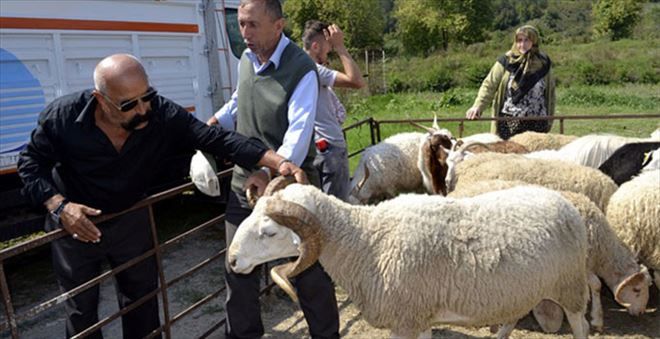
(282,318)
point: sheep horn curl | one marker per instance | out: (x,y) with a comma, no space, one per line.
(273,186)
(307,227)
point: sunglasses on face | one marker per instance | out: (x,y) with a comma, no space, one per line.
(128,105)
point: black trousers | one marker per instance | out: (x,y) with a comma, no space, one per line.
(76,262)
(315,289)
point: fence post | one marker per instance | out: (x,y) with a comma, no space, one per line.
(6,298)
(161,273)
(561,125)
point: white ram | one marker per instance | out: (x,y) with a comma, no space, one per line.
(416,260)
(608,258)
(634,214)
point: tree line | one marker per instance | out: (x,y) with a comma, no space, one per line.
(420,27)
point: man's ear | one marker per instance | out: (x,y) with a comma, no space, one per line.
(280,24)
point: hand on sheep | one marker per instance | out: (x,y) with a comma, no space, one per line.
(258,180)
(289,168)
(473,113)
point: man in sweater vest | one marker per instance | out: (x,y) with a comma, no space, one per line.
(275,101)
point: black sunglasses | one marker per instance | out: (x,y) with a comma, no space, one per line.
(128,105)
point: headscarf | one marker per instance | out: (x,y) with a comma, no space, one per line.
(527,68)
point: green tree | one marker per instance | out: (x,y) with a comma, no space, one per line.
(616,18)
(427,25)
(362,21)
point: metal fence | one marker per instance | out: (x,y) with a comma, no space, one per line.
(12,319)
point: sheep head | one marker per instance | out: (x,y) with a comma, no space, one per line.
(434,153)
(633,292)
(276,229)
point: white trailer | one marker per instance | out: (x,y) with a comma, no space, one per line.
(190,49)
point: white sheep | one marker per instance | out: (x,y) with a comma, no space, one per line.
(634,214)
(535,141)
(608,258)
(554,174)
(387,169)
(416,260)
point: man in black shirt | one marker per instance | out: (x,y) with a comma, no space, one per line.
(95,152)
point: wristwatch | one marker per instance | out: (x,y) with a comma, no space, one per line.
(55,214)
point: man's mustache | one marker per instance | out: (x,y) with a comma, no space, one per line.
(136,121)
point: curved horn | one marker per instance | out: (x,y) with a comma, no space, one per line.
(435,122)
(278,274)
(279,183)
(465,146)
(364,179)
(307,227)
(252,196)
(273,186)
(458,144)
(428,129)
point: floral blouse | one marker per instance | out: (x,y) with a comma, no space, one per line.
(532,104)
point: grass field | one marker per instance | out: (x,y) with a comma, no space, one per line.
(576,100)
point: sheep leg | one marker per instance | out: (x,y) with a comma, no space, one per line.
(656,277)
(596,305)
(579,325)
(549,315)
(506,329)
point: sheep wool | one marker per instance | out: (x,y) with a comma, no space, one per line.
(392,167)
(472,262)
(634,214)
(554,174)
(535,141)
(608,257)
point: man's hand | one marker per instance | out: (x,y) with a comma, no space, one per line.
(259,180)
(212,121)
(74,220)
(289,168)
(334,36)
(473,113)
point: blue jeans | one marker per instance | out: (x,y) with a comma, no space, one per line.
(332,165)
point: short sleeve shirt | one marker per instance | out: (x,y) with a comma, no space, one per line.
(327,124)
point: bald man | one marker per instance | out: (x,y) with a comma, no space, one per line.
(95,152)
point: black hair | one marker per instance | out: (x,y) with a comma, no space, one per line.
(313,28)
(273,7)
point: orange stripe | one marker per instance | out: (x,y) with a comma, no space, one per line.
(10,170)
(95,25)
(190,109)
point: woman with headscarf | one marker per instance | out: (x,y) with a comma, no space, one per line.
(518,85)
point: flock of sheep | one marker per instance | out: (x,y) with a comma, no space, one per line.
(474,232)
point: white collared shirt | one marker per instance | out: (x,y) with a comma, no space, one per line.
(301,113)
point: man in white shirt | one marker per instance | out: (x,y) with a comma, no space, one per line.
(332,155)
(275,101)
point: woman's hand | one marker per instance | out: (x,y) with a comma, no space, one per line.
(473,113)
